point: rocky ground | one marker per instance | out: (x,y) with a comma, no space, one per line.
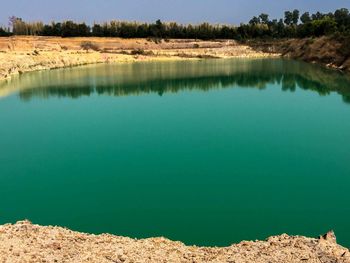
(25,242)
(23,54)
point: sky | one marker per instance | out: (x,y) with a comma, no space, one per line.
(183,11)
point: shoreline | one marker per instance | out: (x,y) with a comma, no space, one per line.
(27,54)
(27,242)
(20,54)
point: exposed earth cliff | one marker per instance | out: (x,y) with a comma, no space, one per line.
(329,51)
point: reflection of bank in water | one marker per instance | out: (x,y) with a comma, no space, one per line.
(163,77)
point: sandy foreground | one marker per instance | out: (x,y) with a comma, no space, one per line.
(26,242)
(26,53)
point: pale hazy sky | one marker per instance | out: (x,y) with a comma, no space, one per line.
(183,11)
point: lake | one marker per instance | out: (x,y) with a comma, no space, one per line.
(207,152)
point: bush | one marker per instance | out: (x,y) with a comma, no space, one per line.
(138,51)
(89,45)
(141,51)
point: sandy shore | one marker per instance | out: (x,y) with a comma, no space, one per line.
(24,54)
(26,242)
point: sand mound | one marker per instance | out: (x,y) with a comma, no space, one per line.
(26,242)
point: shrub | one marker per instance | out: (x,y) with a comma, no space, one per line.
(141,51)
(138,51)
(89,45)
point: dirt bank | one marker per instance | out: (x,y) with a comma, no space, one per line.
(25,242)
(23,54)
(331,52)
(28,53)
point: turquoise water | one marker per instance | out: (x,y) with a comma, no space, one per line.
(208,152)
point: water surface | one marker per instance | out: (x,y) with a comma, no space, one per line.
(207,152)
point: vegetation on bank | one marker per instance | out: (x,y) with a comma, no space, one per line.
(4,32)
(292,25)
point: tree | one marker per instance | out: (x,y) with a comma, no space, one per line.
(157,29)
(342,18)
(97,30)
(305,18)
(69,29)
(324,26)
(56,29)
(280,28)
(143,30)
(317,16)
(254,21)
(18,26)
(264,18)
(295,16)
(288,18)
(83,30)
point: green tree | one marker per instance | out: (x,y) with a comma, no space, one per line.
(69,29)
(295,16)
(254,21)
(317,16)
(305,18)
(288,18)
(83,30)
(97,30)
(342,18)
(281,28)
(264,18)
(324,26)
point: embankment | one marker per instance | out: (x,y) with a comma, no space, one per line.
(23,54)
(28,53)
(328,51)
(25,242)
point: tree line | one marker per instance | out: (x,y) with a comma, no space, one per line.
(291,25)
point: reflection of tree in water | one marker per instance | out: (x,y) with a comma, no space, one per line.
(346,98)
(162,78)
(291,82)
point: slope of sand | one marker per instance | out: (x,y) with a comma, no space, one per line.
(23,54)
(25,242)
